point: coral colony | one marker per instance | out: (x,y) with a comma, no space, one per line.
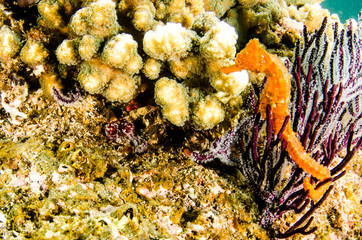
(104,56)
(326,115)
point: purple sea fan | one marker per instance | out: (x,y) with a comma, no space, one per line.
(326,114)
(327,77)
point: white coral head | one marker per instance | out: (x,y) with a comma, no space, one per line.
(219,42)
(173,98)
(208,113)
(232,84)
(168,42)
(121,52)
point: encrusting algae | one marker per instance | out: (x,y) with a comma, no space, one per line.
(100,100)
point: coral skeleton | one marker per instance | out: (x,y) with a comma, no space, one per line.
(324,112)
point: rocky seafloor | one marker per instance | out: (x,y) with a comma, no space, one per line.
(61,177)
(65,180)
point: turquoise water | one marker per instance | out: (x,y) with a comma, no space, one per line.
(345,9)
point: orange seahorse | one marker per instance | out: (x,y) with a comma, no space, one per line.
(277,94)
